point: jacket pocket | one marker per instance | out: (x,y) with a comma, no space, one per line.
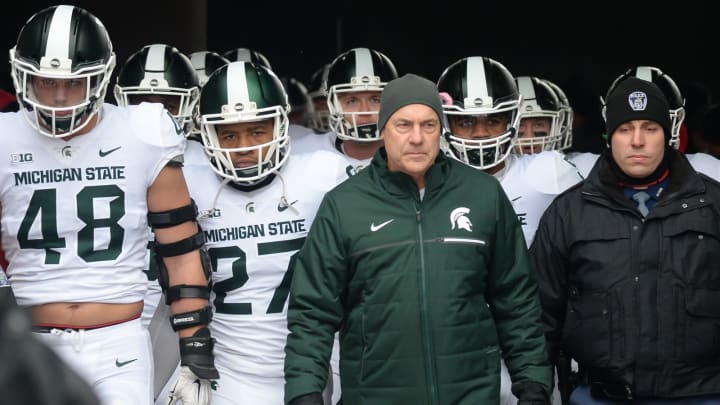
(586,332)
(691,246)
(702,326)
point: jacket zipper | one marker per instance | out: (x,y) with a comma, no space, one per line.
(425,315)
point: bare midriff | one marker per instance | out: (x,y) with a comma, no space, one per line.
(84,314)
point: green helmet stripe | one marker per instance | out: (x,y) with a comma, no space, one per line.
(57,45)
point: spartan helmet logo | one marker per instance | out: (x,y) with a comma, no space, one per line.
(459,219)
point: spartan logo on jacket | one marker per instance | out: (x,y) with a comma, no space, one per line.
(459,219)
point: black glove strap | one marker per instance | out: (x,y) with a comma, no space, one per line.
(196,352)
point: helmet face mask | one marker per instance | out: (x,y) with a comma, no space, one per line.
(320,117)
(360,125)
(61,67)
(483,88)
(160,73)
(539,104)
(301,106)
(359,70)
(241,93)
(566,116)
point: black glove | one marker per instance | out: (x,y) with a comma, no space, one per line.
(530,393)
(308,399)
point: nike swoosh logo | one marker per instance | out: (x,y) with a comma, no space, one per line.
(282,208)
(178,128)
(104,153)
(374,228)
(119,363)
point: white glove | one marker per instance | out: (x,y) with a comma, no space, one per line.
(190,389)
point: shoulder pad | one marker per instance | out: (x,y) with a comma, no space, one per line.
(550,173)
(705,164)
(154,125)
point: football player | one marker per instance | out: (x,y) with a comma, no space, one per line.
(320,118)
(481,103)
(205,63)
(355,80)
(540,117)
(84,181)
(257,198)
(301,107)
(247,55)
(159,73)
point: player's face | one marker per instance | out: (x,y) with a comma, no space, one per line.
(412,140)
(360,101)
(59,92)
(248,137)
(638,147)
(479,126)
(533,127)
(171,103)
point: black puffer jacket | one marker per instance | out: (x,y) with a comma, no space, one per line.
(635,299)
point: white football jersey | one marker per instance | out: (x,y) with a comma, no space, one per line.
(584,161)
(296,131)
(251,237)
(709,165)
(74,212)
(531,182)
(194,153)
(329,142)
(701,162)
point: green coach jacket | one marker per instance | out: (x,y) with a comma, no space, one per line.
(427,293)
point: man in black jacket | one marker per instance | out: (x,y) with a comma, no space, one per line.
(628,265)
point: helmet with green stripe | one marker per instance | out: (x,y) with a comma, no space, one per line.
(159,72)
(357,70)
(244,92)
(61,67)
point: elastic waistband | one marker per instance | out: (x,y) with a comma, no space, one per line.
(47,328)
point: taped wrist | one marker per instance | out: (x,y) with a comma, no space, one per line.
(196,352)
(192,318)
